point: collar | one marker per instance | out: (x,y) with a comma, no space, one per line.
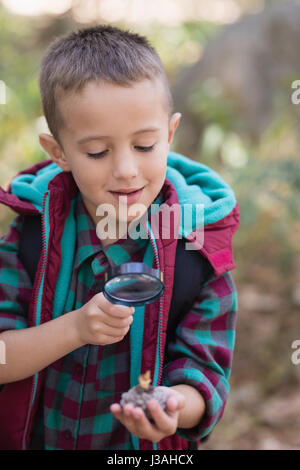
(88,244)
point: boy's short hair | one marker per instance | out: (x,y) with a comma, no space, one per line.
(104,53)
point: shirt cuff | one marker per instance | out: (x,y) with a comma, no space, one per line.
(213,388)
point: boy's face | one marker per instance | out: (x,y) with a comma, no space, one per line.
(116,118)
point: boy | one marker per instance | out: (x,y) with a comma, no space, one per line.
(70,353)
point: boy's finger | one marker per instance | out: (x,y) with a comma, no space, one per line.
(128,416)
(161,419)
(119,311)
(116,409)
(142,424)
(117,322)
(172,404)
(119,413)
(175,403)
(137,423)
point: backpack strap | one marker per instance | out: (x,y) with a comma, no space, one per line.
(191,271)
(31,244)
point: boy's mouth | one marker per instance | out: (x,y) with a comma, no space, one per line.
(127,191)
(131,195)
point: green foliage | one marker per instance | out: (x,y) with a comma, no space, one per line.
(18,69)
(188,40)
(207,101)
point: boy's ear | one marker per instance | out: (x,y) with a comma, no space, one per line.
(174,122)
(55,151)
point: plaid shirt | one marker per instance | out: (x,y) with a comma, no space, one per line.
(77,395)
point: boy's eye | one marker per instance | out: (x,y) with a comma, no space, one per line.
(146,149)
(97,155)
(101,154)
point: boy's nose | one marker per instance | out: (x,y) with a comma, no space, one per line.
(125,168)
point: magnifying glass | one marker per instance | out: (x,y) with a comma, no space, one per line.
(133,284)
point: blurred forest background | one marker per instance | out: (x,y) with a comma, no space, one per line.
(231,65)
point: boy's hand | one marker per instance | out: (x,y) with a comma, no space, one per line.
(100,322)
(165,422)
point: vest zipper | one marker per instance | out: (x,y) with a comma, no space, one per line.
(160,352)
(37,293)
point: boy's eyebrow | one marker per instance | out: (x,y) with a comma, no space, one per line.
(99,137)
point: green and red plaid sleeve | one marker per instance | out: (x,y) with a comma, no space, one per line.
(15,284)
(201,353)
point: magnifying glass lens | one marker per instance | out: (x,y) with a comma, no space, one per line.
(133,289)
